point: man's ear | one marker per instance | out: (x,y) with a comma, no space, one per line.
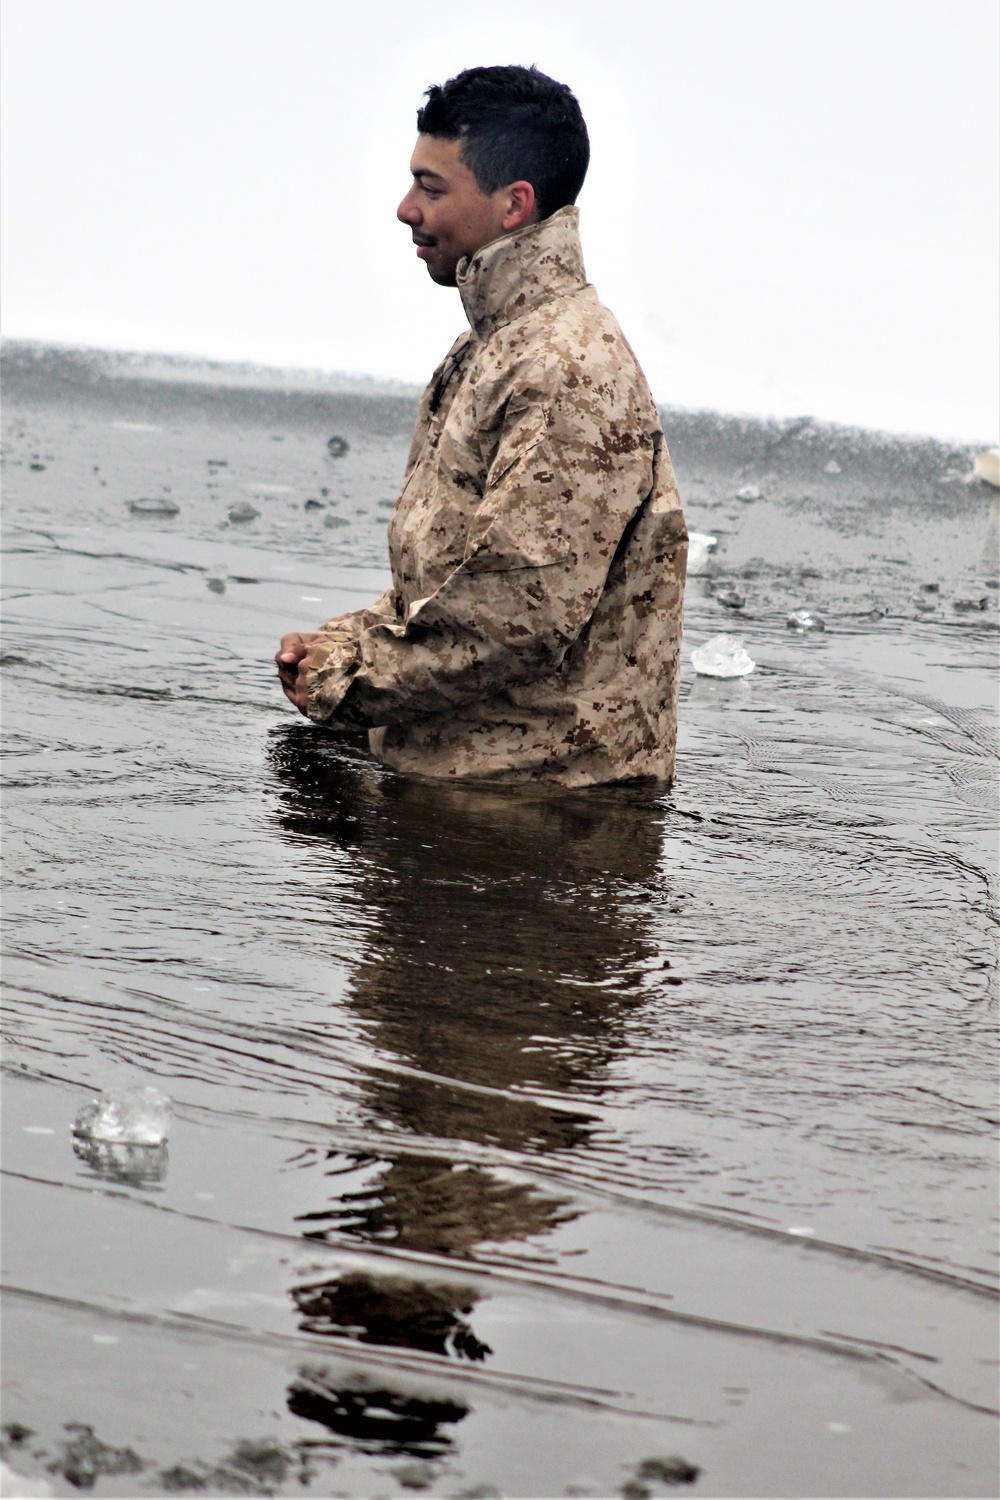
(519,205)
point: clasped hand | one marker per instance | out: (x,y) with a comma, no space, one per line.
(292,659)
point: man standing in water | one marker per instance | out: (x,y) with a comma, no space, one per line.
(538,549)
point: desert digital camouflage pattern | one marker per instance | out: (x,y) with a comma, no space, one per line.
(538,549)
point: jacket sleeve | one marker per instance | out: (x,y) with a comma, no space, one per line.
(350,626)
(564,483)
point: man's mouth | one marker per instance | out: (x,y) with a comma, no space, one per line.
(421,243)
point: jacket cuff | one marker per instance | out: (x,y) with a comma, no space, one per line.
(331,672)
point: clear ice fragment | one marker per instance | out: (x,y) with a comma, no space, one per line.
(804,619)
(243,511)
(986,466)
(832,467)
(722,656)
(748,492)
(700,544)
(137,1117)
(154,507)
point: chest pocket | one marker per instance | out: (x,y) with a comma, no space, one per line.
(520,433)
(458,459)
(521,522)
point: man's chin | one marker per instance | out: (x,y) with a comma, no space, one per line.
(442,275)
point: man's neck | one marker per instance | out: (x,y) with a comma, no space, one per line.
(513,274)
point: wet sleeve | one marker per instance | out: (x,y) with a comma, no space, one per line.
(350,625)
(563,486)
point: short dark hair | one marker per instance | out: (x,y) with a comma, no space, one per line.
(514,124)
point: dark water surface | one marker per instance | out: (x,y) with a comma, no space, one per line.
(521,1140)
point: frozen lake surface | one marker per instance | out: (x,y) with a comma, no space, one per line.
(522,1143)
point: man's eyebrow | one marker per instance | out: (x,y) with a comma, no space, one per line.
(426,172)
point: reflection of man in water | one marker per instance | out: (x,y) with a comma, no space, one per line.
(507,942)
(537,547)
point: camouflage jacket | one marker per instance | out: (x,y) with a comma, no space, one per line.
(538,548)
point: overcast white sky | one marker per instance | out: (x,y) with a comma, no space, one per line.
(792,205)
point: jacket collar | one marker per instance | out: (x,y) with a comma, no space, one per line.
(515,274)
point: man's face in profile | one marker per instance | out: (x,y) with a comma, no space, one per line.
(447,214)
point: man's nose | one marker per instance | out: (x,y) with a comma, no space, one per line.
(408,212)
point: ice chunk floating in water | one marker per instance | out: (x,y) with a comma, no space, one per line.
(151,506)
(722,656)
(700,544)
(986,466)
(242,512)
(139,1117)
(804,619)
